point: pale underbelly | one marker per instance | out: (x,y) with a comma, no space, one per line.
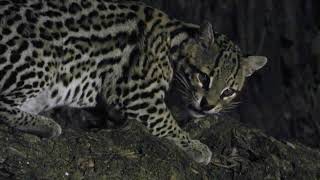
(38,103)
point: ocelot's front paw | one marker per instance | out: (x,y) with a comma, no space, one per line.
(44,128)
(199,152)
(53,130)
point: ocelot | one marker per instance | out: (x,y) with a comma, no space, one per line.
(68,52)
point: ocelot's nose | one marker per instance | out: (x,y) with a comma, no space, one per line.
(205,105)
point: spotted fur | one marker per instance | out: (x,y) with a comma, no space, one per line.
(69,52)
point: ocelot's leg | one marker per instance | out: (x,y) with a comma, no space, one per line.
(155,115)
(26,122)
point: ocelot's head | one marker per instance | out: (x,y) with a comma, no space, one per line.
(213,72)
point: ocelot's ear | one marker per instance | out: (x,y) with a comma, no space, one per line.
(253,63)
(206,34)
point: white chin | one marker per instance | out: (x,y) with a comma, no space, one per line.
(196,114)
(212,111)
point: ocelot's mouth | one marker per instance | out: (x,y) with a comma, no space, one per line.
(198,112)
(195,112)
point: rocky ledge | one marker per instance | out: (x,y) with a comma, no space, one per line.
(131,153)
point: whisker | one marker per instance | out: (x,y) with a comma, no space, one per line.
(227,109)
(183,92)
(185,89)
(184,83)
(186,95)
(181,83)
(235,103)
(194,97)
(230,107)
(183,79)
(177,79)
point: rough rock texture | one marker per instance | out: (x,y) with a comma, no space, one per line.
(131,153)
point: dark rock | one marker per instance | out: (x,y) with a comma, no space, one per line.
(132,153)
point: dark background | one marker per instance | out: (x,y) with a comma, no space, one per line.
(284,97)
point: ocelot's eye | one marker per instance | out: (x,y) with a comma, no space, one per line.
(227,92)
(204,79)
